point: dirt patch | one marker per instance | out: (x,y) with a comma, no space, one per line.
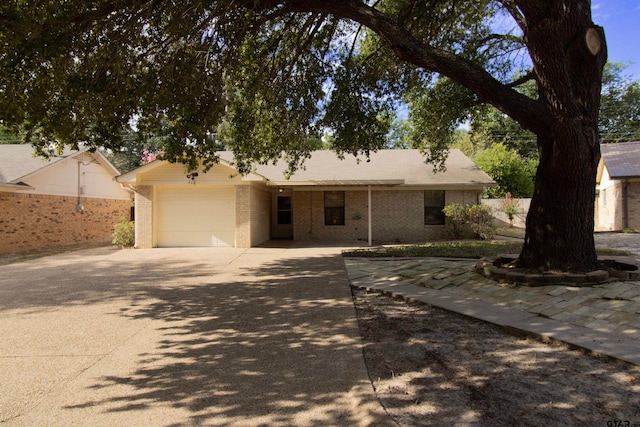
(433,367)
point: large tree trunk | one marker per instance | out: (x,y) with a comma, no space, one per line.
(569,54)
(560,222)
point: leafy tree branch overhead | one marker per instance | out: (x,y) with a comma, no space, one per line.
(251,65)
(265,76)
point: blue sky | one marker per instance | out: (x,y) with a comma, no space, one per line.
(621,22)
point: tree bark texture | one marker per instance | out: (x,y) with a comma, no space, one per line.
(569,54)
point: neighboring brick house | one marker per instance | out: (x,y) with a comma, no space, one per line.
(618,187)
(394,197)
(67,200)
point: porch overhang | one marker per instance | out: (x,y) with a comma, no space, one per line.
(338,183)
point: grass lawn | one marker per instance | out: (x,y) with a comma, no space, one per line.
(510,232)
(458,249)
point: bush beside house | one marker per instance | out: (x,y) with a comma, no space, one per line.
(468,220)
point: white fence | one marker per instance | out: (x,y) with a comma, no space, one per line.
(501,219)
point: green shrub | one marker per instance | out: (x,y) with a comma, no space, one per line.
(477,218)
(481,221)
(124,234)
(629,231)
(512,172)
(456,216)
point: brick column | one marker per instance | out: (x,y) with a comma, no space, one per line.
(144,217)
(243,216)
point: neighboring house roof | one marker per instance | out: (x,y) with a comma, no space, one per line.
(385,167)
(622,159)
(17,163)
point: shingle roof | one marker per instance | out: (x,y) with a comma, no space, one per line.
(622,159)
(385,166)
(17,160)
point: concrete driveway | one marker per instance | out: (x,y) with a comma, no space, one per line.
(168,337)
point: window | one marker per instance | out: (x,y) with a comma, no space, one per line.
(284,210)
(334,208)
(433,205)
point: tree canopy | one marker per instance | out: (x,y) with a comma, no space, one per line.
(513,173)
(619,106)
(619,119)
(257,76)
(6,137)
(264,77)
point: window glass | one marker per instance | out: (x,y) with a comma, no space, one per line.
(284,210)
(334,208)
(433,205)
(284,217)
(284,203)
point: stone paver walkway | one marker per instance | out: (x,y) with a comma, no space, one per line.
(604,318)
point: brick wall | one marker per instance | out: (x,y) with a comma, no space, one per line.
(610,206)
(144,216)
(397,216)
(243,216)
(308,217)
(253,216)
(260,215)
(30,222)
(633,204)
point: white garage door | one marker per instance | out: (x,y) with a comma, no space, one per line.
(195,217)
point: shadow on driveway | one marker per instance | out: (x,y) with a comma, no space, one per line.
(263,336)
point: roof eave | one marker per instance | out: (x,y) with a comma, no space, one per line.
(98,157)
(379,183)
(9,187)
(336,183)
(104,162)
(131,176)
(624,176)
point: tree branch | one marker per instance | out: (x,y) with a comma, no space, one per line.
(515,13)
(530,113)
(529,76)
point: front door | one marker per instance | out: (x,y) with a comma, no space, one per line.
(283,216)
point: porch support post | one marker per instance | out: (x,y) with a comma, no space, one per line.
(369,213)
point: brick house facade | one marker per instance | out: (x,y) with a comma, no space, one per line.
(31,222)
(327,201)
(397,216)
(618,187)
